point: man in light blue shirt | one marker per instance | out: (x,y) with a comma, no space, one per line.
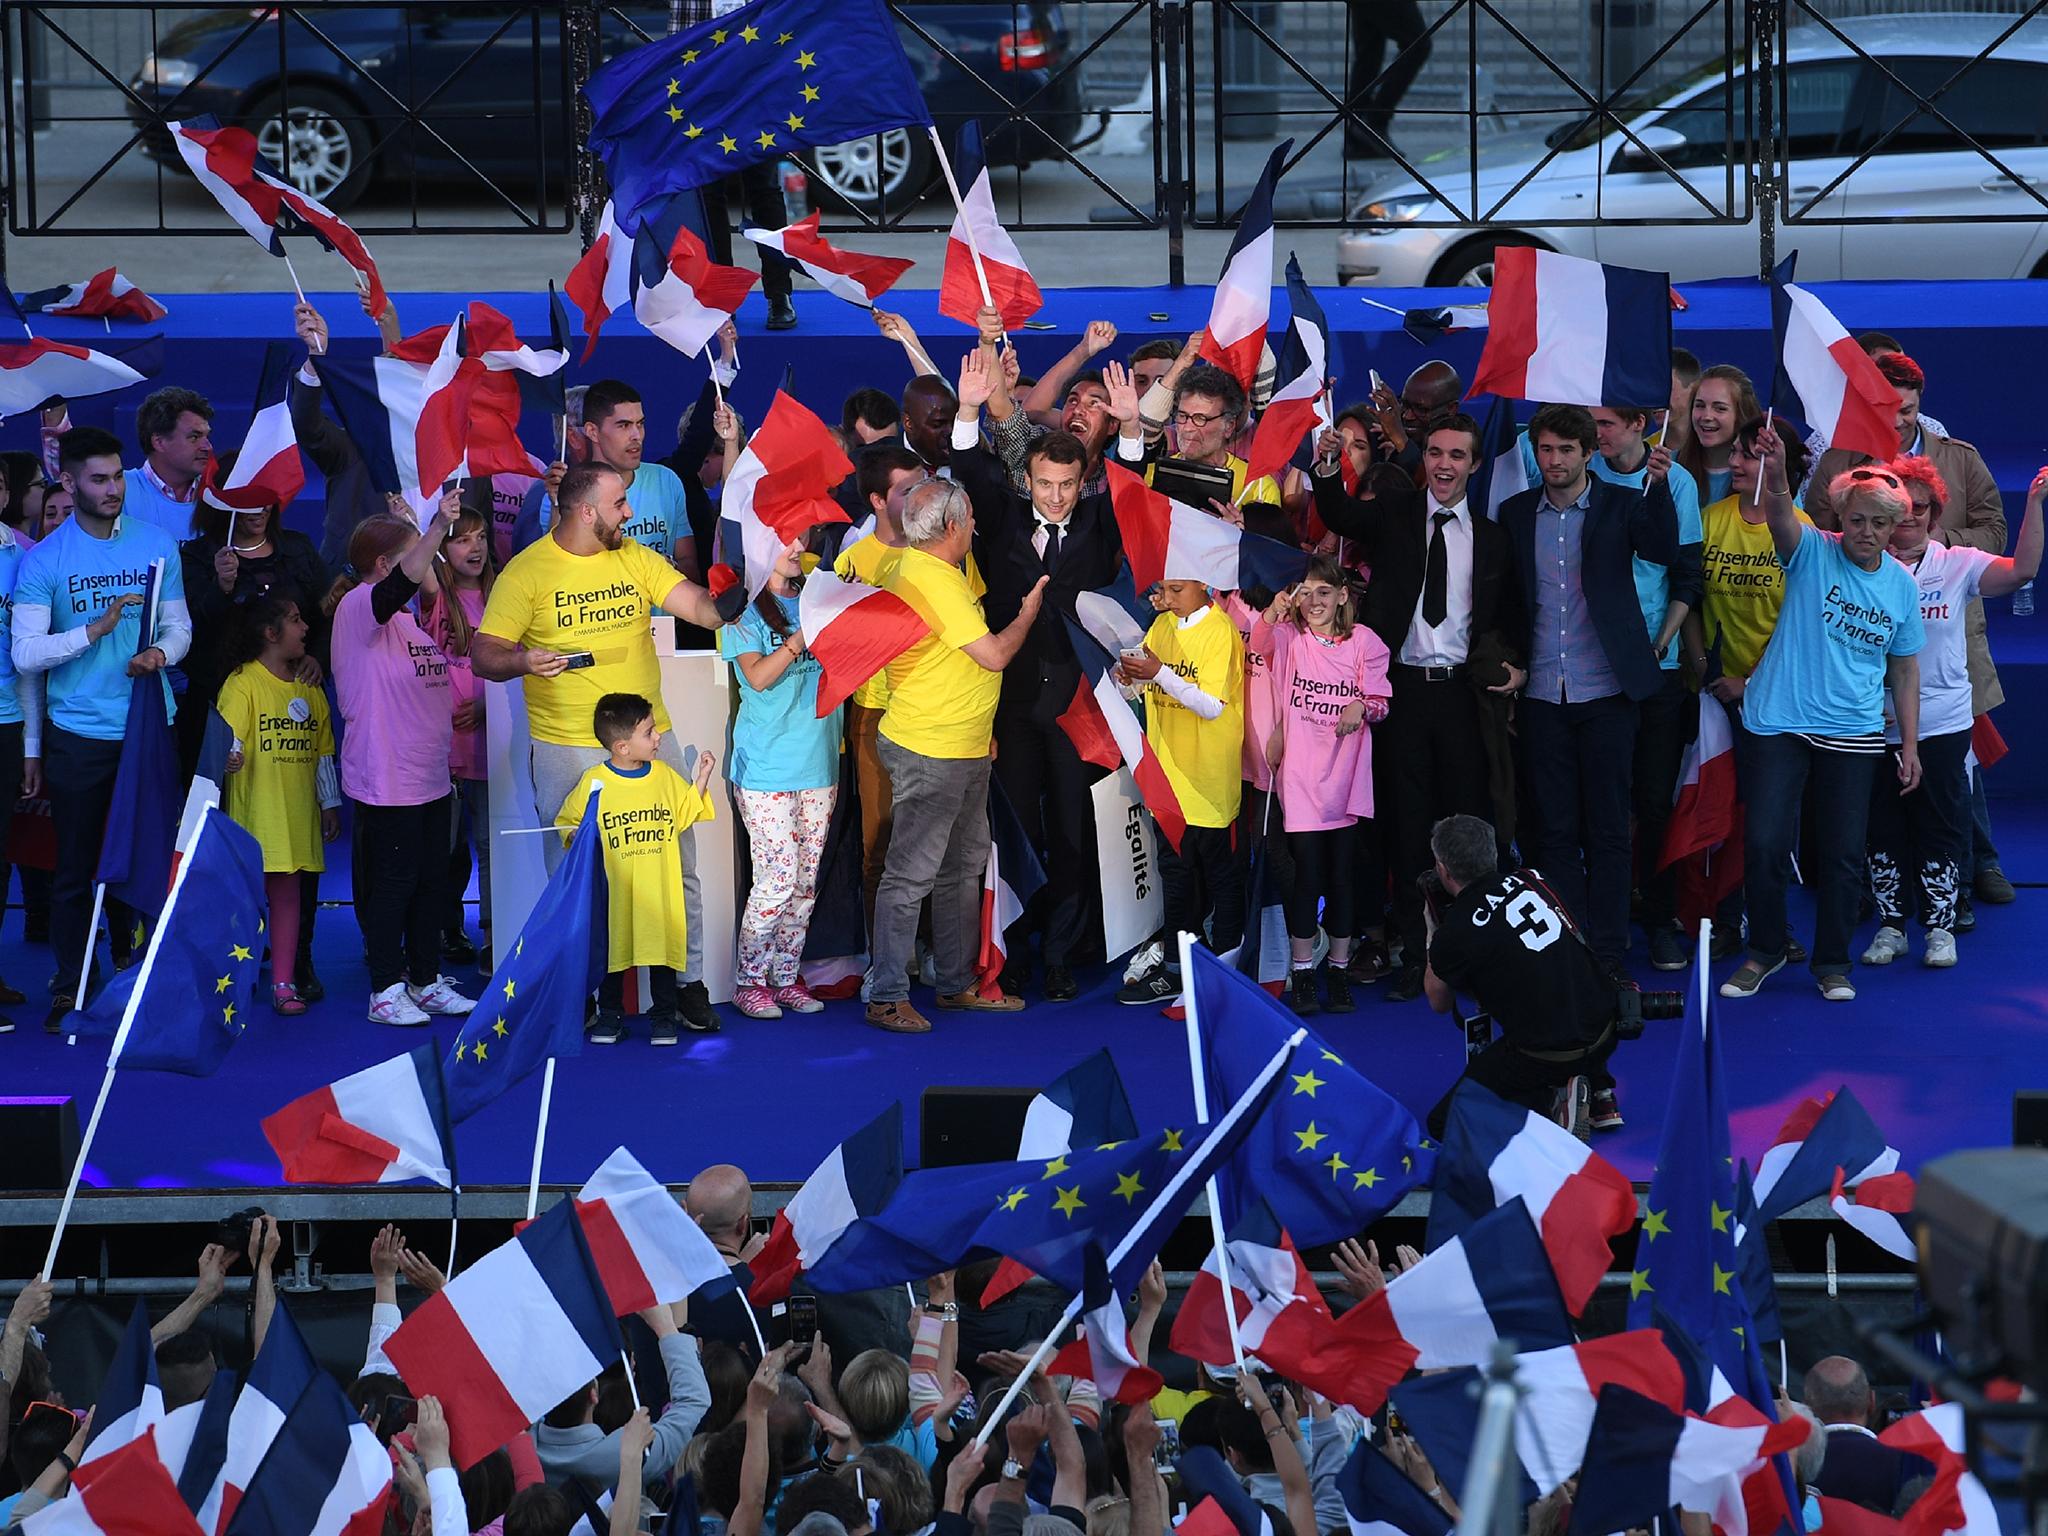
(1667,594)
(615,430)
(174,430)
(77,619)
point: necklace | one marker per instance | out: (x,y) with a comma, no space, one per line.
(248,549)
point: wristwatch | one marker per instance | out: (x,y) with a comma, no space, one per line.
(1013,1470)
(949,1310)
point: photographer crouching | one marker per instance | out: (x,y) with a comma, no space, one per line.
(1509,942)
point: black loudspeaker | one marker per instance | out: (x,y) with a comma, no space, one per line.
(970,1125)
(38,1141)
(2030,1118)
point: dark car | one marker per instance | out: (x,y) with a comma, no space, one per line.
(342,99)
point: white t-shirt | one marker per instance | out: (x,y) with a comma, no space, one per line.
(1948,579)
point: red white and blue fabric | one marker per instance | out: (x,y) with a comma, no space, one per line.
(853,631)
(648,1250)
(848,275)
(38,370)
(1102,1354)
(228,165)
(383,1125)
(1817,1138)
(325,1474)
(1874,1208)
(1494,1151)
(209,782)
(682,295)
(1825,378)
(977,229)
(131,1402)
(511,1336)
(125,1493)
(1381,1500)
(1643,1458)
(268,471)
(1011,876)
(1956,1503)
(103,296)
(1235,337)
(1301,403)
(1704,835)
(1282,1320)
(278,1377)
(601,282)
(780,485)
(1570,331)
(1168,540)
(1105,731)
(856,1180)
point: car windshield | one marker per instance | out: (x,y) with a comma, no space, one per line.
(1583,132)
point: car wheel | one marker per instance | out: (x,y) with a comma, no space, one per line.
(318,144)
(883,171)
(1470,265)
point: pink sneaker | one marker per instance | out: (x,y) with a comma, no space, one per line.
(796,997)
(756,1002)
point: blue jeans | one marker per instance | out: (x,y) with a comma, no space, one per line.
(1775,775)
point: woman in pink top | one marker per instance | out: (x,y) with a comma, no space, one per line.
(1329,682)
(391,683)
(464,570)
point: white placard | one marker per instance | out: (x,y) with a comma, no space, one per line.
(1127,853)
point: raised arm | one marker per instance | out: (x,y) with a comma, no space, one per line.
(1287,1462)
(2009,575)
(213,1272)
(1052,384)
(1786,529)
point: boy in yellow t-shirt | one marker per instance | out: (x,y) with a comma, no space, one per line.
(1194,718)
(643,807)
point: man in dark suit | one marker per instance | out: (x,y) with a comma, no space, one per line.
(1590,662)
(1052,531)
(1440,584)
(1857,1467)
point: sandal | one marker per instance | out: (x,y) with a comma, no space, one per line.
(284,998)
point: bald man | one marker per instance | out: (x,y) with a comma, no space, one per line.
(1857,1467)
(721,1201)
(1431,390)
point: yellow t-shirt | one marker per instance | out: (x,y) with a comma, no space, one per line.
(1745,585)
(1202,758)
(1265,488)
(641,816)
(871,562)
(604,604)
(284,731)
(942,702)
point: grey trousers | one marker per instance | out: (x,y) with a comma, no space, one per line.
(938,846)
(555,770)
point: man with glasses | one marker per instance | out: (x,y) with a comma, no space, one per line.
(1208,413)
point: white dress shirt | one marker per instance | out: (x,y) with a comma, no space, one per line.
(1445,644)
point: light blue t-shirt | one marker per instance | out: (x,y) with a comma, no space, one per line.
(660,513)
(1653,581)
(141,499)
(1823,672)
(778,741)
(64,584)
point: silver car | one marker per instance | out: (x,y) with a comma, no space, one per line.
(1837,104)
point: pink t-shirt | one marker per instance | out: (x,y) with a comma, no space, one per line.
(1258,693)
(391,682)
(466,750)
(1325,779)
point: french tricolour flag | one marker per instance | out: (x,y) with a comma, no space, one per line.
(1301,404)
(849,275)
(780,486)
(227,164)
(39,369)
(1282,1319)
(1956,1504)
(382,1125)
(1102,1354)
(854,631)
(1236,333)
(648,1250)
(1817,1138)
(511,1336)
(1494,1151)
(131,1403)
(601,282)
(1168,540)
(267,472)
(125,1493)
(1380,1500)
(278,1377)
(1570,331)
(1105,731)
(1824,378)
(682,295)
(976,228)
(1010,878)
(1705,830)
(1643,1458)
(103,296)
(855,1181)
(325,1473)
(1875,1207)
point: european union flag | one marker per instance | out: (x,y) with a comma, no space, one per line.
(1334,1153)
(534,1006)
(202,958)
(748,86)
(142,822)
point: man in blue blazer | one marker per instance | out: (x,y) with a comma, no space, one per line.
(1590,662)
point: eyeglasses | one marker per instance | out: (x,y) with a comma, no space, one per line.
(1885,475)
(1191,419)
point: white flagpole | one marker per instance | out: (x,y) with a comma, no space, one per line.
(294,271)
(92,942)
(953,186)
(540,1136)
(754,1323)
(92,1126)
(454,1227)
(1187,997)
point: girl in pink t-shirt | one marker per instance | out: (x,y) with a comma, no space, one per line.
(465,568)
(1329,684)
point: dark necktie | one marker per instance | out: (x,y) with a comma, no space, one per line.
(1436,575)
(1051,557)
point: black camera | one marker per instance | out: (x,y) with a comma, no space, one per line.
(1431,884)
(1633,1009)
(235,1228)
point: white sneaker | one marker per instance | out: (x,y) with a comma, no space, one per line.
(394,1005)
(1941,949)
(440,996)
(1888,943)
(1144,960)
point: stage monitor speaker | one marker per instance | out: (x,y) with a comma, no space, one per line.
(38,1141)
(970,1125)
(2030,1118)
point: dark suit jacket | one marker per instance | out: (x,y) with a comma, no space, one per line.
(1859,1469)
(1620,522)
(1043,675)
(1392,534)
